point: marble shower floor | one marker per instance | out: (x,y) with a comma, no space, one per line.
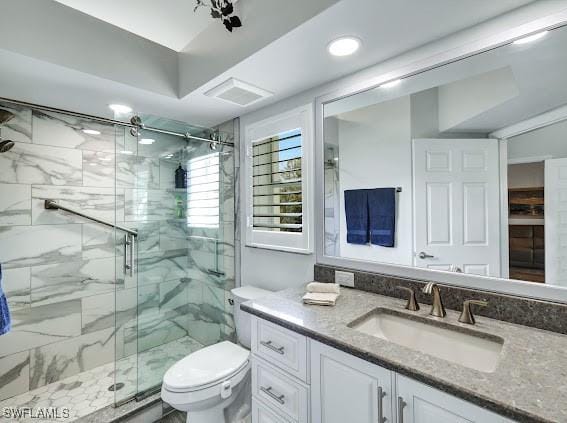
(88,392)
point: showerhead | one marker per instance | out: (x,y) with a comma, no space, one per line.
(5,116)
(6,146)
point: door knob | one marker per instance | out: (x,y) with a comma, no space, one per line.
(424,255)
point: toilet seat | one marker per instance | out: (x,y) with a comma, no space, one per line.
(208,368)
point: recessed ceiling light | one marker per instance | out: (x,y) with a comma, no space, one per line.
(391,83)
(147,141)
(531,38)
(344,46)
(126,152)
(91,132)
(120,108)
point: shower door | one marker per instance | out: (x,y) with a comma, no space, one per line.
(175,298)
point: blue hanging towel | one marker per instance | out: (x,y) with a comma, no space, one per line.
(382,216)
(5,321)
(356,211)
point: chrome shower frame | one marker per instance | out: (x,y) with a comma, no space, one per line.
(135,124)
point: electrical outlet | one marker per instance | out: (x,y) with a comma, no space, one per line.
(344,278)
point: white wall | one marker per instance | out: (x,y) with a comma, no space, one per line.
(548,141)
(462,100)
(276,270)
(114,54)
(375,152)
(270,269)
(526,175)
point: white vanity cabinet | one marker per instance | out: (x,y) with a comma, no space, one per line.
(299,380)
(280,374)
(347,389)
(419,403)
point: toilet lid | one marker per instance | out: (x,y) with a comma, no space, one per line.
(206,366)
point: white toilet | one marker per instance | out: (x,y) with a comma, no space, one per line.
(207,382)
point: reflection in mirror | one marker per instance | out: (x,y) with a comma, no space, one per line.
(479,150)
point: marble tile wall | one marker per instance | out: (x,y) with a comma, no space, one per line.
(73,307)
(54,263)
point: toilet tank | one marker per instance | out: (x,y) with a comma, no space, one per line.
(242,320)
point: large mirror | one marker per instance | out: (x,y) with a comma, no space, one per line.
(462,168)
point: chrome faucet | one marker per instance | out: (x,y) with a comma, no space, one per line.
(437,310)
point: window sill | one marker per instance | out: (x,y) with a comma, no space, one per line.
(303,251)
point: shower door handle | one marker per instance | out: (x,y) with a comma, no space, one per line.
(125,256)
(131,243)
(128,255)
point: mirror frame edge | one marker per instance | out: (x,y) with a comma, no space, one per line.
(347,89)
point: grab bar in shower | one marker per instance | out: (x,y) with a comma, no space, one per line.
(53,205)
(129,238)
(216,271)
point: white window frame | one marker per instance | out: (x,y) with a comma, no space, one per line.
(300,118)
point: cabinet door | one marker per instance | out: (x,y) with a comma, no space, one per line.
(419,403)
(261,413)
(347,389)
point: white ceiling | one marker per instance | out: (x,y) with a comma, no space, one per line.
(293,63)
(170,23)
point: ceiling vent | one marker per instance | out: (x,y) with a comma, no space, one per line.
(238,92)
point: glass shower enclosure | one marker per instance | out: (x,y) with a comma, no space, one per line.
(177,192)
(113,270)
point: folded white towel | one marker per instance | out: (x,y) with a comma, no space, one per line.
(320,298)
(328,288)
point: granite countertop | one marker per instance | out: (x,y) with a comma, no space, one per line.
(528,385)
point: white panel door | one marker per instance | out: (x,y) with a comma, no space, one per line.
(456,205)
(419,403)
(346,389)
(556,222)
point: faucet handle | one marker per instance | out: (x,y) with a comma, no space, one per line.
(467,316)
(412,303)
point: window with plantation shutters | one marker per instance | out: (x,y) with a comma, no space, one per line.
(278,153)
(277,189)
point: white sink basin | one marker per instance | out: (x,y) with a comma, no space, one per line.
(470,349)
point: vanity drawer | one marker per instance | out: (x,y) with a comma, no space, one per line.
(261,413)
(281,392)
(280,347)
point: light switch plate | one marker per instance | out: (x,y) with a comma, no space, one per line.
(344,278)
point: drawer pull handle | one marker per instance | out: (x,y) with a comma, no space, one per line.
(381,395)
(268,391)
(401,405)
(268,344)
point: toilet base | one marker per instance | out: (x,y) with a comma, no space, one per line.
(206,416)
(197,418)
(235,409)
